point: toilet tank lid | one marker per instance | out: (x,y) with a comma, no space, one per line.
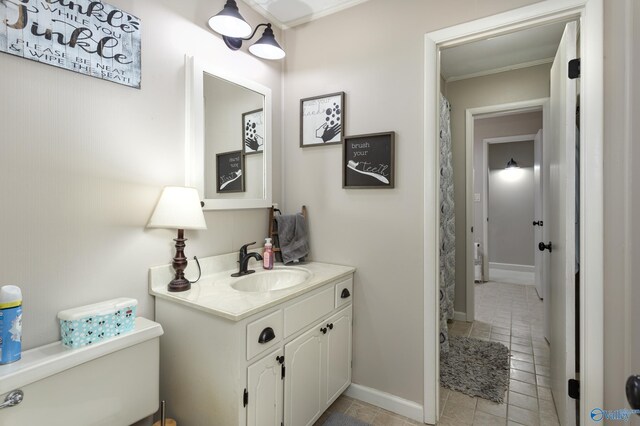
(107,307)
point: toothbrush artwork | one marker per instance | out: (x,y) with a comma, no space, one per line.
(352,165)
(238,174)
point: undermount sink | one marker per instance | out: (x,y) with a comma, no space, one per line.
(275,279)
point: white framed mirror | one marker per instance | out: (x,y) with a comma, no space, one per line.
(228,138)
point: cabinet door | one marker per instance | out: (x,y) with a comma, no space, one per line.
(338,354)
(303,383)
(264,380)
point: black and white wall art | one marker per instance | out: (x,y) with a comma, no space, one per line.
(368,161)
(83,36)
(230,172)
(253,131)
(322,120)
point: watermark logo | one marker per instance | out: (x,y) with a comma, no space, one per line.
(623,414)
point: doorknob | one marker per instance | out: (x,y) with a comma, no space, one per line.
(538,223)
(542,246)
(633,391)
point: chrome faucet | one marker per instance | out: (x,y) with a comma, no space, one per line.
(243,260)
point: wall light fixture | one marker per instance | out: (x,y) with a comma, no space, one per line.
(234,30)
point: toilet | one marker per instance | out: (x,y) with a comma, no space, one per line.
(115,382)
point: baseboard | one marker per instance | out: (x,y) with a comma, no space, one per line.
(512,267)
(389,402)
(460,316)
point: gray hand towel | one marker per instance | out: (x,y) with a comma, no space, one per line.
(292,233)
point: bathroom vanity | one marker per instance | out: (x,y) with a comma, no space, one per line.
(270,348)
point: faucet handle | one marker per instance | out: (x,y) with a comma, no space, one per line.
(243,249)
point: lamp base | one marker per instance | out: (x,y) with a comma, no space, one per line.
(179,284)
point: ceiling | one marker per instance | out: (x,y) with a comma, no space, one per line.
(528,47)
(289,13)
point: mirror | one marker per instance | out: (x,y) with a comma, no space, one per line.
(228,137)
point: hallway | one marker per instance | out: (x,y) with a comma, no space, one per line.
(513,315)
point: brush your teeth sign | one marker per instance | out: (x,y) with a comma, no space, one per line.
(87,37)
(369,161)
(230,172)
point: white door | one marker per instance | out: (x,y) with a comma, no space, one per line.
(265,391)
(537,214)
(559,222)
(303,379)
(338,347)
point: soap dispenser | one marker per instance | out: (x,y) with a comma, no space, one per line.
(267,255)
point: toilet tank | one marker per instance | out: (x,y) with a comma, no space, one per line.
(115,382)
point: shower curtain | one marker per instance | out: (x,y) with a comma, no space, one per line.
(447,225)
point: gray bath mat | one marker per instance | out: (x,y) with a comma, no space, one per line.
(339,419)
(475,367)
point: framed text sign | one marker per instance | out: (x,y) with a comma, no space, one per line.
(368,161)
(87,37)
(253,131)
(322,120)
(230,172)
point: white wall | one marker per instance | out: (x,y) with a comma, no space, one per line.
(512,86)
(379,230)
(83,161)
(511,204)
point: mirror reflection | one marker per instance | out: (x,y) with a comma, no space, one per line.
(234,140)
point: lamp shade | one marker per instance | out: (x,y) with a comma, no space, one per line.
(178,208)
(267,47)
(229,22)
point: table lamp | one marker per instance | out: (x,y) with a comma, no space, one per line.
(178,208)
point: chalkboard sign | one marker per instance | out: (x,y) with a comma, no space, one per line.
(230,172)
(368,161)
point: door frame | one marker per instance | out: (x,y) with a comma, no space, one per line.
(488,111)
(590,14)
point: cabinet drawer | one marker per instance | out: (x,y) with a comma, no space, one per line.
(344,292)
(303,313)
(264,333)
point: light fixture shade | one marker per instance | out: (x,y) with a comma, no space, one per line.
(267,47)
(512,164)
(229,22)
(178,208)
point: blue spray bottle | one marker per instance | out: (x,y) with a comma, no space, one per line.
(10,324)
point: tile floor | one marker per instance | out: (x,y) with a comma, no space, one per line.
(511,314)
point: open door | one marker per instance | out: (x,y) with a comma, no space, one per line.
(538,223)
(559,226)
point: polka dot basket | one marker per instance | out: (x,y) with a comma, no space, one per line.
(95,323)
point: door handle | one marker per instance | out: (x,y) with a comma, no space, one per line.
(345,293)
(633,391)
(538,223)
(266,336)
(542,247)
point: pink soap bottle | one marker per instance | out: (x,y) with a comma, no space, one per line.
(267,255)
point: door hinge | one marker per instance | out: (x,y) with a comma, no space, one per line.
(574,68)
(245,398)
(574,388)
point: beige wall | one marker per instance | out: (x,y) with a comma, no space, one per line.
(379,231)
(511,204)
(511,86)
(84,161)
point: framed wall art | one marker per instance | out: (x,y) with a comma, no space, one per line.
(253,131)
(230,172)
(322,120)
(368,161)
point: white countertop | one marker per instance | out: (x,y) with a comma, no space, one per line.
(214,294)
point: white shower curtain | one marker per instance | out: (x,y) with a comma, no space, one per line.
(447,225)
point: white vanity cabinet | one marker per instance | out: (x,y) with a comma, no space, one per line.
(318,368)
(284,365)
